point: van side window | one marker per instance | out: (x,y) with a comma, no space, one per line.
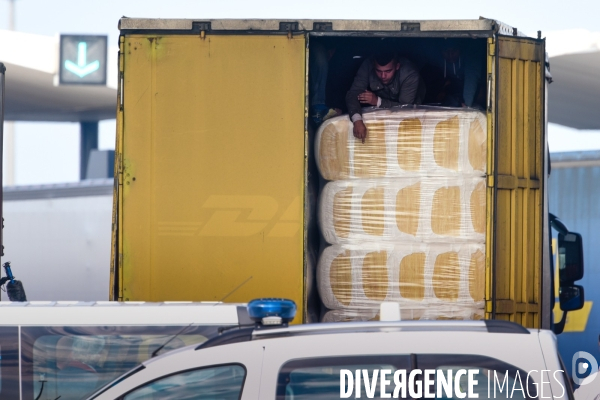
(503,380)
(71,362)
(224,382)
(319,378)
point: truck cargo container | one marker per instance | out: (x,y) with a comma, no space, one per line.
(215,169)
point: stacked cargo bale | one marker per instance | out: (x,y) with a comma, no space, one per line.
(404,214)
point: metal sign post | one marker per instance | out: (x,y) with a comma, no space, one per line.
(82,60)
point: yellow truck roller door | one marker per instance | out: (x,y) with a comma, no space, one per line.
(517,180)
(212,147)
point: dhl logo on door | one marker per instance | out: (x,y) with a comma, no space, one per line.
(240,216)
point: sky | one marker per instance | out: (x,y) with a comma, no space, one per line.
(48,153)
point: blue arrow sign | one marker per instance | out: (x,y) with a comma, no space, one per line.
(82,68)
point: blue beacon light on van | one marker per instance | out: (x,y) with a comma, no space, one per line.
(272,311)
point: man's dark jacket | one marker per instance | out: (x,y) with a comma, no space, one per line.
(406,87)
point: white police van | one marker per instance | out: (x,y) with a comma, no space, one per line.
(68,350)
(413,359)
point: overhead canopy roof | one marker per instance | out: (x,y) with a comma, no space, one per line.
(31,96)
(574,96)
(31,62)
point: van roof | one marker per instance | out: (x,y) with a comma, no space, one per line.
(245,334)
(321,27)
(78,313)
(488,326)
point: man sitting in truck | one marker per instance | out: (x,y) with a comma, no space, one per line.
(383,80)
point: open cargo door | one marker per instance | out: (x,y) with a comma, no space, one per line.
(211,153)
(516,180)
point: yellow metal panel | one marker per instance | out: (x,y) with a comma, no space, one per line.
(518,48)
(214,147)
(490,169)
(503,259)
(116,249)
(518,182)
(136,228)
(576,320)
(505,122)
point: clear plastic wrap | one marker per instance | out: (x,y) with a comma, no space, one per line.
(406,214)
(404,142)
(428,281)
(424,209)
(350,315)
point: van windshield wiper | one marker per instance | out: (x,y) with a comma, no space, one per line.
(42,390)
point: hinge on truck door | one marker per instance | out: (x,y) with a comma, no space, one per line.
(491,48)
(120,167)
(121,91)
(121,69)
(201,27)
(489,93)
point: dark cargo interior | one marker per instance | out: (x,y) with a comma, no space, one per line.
(442,62)
(452,69)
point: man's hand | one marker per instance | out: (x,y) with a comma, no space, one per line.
(360,130)
(368,97)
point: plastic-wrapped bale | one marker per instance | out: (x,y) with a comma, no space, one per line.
(404,143)
(429,281)
(447,209)
(349,315)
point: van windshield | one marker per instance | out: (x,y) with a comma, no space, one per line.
(74,362)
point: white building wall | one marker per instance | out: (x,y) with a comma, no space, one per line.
(60,247)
